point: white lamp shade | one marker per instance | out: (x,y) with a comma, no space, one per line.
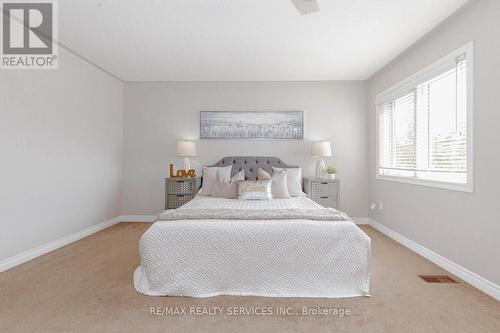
(321,149)
(186,148)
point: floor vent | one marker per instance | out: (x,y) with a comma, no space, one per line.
(437,279)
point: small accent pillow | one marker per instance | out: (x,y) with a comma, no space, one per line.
(254,190)
(209,178)
(263,174)
(225,187)
(294,181)
(279,187)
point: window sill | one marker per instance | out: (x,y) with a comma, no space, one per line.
(429,183)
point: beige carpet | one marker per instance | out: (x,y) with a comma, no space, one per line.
(87,287)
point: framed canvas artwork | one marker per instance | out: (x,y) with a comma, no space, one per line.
(252,125)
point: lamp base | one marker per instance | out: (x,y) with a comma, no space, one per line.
(187,164)
(320,167)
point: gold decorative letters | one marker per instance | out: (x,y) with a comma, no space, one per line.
(181,173)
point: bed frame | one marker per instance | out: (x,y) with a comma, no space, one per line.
(251,164)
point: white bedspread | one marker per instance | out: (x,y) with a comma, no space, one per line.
(277,258)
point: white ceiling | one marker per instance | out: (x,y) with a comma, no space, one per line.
(245,40)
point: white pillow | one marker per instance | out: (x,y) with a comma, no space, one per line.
(294,181)
(262,174)
(209,177)
(254,190)
(279,186)
(225,187)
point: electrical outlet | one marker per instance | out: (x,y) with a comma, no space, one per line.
(380,205)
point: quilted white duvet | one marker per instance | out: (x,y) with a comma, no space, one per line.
(272,257)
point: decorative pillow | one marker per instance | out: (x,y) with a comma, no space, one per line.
(209,177)
(225,187)
(293,180)
(254,190)
(279,187)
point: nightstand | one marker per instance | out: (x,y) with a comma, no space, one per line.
(179,191)
(326,192)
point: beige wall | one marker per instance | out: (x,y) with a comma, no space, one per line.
(61,152)
(462,227)
(158,114)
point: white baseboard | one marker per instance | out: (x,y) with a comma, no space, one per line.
(137,218)
(361,220)
(46,248)
(477,281)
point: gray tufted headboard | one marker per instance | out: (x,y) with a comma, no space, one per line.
(251,164)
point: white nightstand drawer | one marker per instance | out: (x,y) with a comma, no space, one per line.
(182,186)
(323,188)
(325,192)
(326,201)
(179,191)
(177,200)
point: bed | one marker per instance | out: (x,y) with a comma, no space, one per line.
(277,248)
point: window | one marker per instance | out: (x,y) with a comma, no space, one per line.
(424,125)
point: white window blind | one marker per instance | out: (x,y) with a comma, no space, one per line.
(422,126)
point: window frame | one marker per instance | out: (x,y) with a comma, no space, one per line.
(407,85)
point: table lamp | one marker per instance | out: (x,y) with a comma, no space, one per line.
(319,150)
(186,149)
